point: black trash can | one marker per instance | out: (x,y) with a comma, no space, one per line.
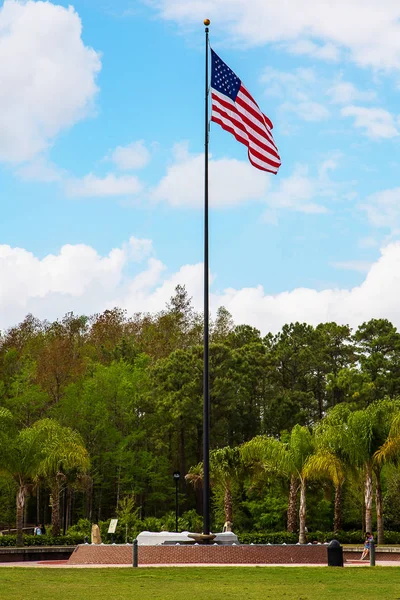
(335,554)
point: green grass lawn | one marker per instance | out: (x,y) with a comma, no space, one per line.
(215,583)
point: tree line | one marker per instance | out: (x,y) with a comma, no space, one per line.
(346,444)
(126,391)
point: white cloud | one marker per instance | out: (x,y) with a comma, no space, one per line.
(47,76)
(309,95)
(137,249)
(376,122)
(79,279)
(299,191)
(330,164)
(368,30)
(40,169)
(92,186)
(367,242)
(329,51)
(134,156)
(76,277)
(150,290)
(270,217)
(282,83)
(383,209)
(131,157)
(361,266)
(300,86)
(308,111)
(376,297)
(232,182)
(345,92)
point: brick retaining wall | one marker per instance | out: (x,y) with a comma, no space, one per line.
(87,554)
(35,553)
(153,555)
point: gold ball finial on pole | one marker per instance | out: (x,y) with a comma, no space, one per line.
(207,22)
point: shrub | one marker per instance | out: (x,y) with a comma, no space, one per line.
(344,537)
(8,540)
(190,521)
(82,527)
(76,535)
(392,537)
(276,537)
(43,540)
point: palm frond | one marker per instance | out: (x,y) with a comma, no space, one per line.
(196,476)
(325,464)
(265,456)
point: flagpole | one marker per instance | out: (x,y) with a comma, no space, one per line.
(206,381)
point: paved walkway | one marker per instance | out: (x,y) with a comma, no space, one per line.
(63,564)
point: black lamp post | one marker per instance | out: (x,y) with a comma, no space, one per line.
(176,477)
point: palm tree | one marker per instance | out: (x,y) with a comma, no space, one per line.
(299,448)
(195,476)
(370,430)
(225,466)
(45,450)
(63,456)
(286,457)
(331,459)
(388,452)
(266,457)
(20,453)
(359,438)
(6,421)
(325,464)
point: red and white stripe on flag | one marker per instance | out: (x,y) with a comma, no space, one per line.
(237,112)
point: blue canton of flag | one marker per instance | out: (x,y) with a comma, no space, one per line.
(223,79)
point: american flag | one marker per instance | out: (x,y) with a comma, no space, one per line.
(237,112)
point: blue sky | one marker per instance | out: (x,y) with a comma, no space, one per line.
(101,168)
